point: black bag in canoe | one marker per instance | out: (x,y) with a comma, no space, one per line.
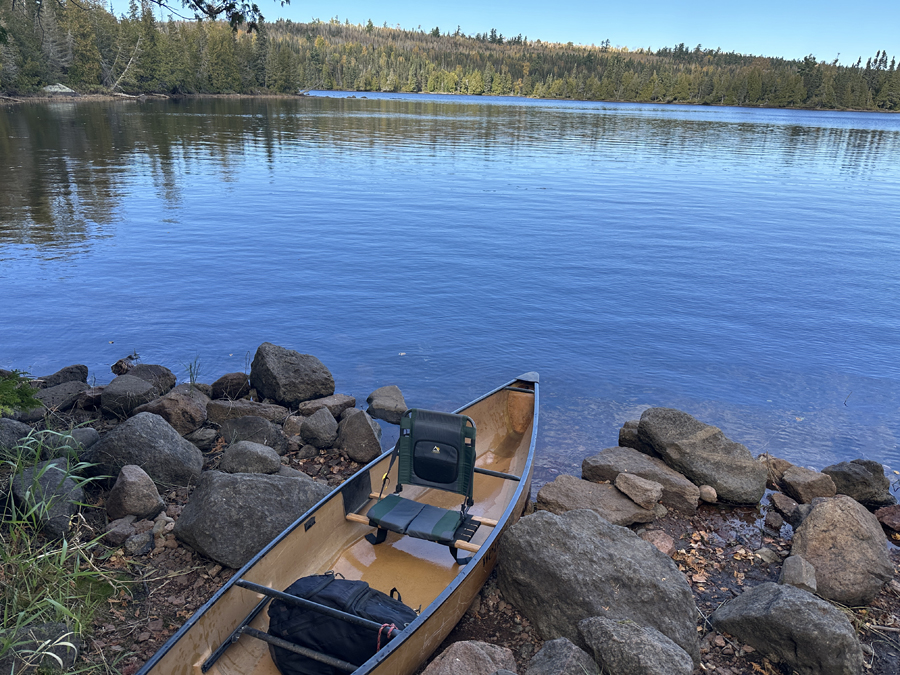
(329,635)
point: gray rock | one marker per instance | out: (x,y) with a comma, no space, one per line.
(626,648)
(562,657)
(320,429)
(645,493)
(185,412)
(53,641)
(90,399)
(307,452)
(704,455)
(360,437)
(846,545)
(292,425)
(864,480)
(139,544)
(567,493)
(59,90)
(204,438)
(775,468)
(118,531)
(220,411)
(231,517)
(708,494)
(125,393)
(51,486)
(256,430)
(678,492)
(797,572)
(61,397)
(336,404)
(231,385)
(159,376)
(791,625)
(12,432)
(387,403)
(134,494)
(249,457)
(78,373)
(787,507)
(471,658)
(660,540)
(558,570)
(628,438)
(288,377)
(56,443)
(148,441)
(804,484)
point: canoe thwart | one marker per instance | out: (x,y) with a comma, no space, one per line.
(497,474)
(522,389)
(297,649)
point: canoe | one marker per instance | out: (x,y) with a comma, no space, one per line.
(223,636)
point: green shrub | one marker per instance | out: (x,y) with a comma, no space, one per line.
(16,393)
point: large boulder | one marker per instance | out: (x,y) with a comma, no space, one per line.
(626,648)
(62,396)
(788,624)
(864,480)
(704,455)
(471,658)
(560,569)
(50,487)
(134,494)
(289,377)
(628,438)
(77,373)
(845,544)
(125,393)
(231,385)
(804,484)
(562,657)
(151,443)
(222,410)
(159,376)
(678,492)
(320,429)
(256,430)
(186,412)
(567,493)
(359,436)
(387,403)
(231,517)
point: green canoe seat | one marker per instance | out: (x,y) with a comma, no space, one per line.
(435,450)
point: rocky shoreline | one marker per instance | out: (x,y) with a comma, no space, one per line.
(676,551)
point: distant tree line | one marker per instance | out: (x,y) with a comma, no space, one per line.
(90,49)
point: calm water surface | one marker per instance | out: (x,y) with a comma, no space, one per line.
(742,265)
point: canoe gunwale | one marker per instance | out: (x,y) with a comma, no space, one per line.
(504,521)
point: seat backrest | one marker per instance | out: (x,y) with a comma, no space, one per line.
(437,450)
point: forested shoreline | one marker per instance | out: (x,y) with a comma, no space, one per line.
(91,50)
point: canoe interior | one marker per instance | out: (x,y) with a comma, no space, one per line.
(420,570)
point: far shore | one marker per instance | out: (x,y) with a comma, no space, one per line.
(41,97)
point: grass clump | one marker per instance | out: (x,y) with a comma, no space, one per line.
(16,393)
(43,580)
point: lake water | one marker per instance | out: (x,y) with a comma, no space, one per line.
(742,265)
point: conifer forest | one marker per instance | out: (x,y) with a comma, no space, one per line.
(86,47)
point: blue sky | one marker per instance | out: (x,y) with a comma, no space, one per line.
(764,27)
